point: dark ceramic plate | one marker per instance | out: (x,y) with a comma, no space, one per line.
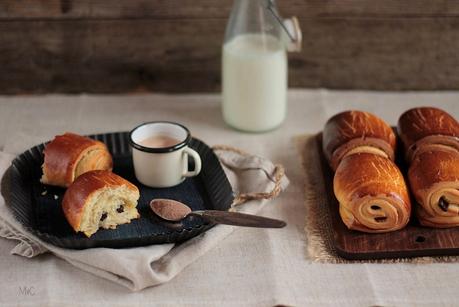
(38,206)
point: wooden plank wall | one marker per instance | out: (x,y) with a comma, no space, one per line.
(104,46)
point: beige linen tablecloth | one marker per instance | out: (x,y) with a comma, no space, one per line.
(251,266)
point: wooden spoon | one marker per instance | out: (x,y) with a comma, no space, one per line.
(172,210)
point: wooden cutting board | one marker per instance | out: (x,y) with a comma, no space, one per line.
(412,241)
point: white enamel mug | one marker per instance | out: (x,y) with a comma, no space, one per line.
(162,167)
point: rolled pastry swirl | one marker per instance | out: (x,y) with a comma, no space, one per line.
(372,193)
(422,128)
(70,155)
(434,180)
(356,131)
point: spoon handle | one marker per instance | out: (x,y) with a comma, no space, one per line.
(239,219)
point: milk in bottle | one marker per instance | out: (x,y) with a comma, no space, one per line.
(254,82)
(254,70)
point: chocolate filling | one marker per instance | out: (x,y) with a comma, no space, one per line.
(120,209)
(375,207)
(443,204)
(103,217)
(380,219)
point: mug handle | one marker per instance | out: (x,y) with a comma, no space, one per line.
(197,162)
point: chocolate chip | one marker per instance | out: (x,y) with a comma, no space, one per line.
(375,207)
(104,216)
(380,219)
(120,209)
(443,204)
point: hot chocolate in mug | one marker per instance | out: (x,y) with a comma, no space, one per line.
(160,154)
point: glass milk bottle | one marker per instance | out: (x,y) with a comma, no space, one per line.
(254,72)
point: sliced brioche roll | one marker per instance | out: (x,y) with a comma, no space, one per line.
(70,155)
(100,199)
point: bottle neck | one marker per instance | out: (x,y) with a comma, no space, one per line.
(253,17)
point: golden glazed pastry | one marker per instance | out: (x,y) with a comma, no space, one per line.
(372,193)
(426,128)
(70,155)
(100,199)
(434,180)
(350,132)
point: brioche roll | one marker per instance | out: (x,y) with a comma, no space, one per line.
(356,131)
(70,155)
(100,199)
(372,193)
(434,181)
(426,129)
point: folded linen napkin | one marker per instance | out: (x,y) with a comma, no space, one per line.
(253,178)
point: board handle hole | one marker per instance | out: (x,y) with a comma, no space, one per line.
(420,239)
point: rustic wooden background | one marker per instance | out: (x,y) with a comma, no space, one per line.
(175,45)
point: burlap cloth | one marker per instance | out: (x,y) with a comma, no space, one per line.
(253,178)
(318,225)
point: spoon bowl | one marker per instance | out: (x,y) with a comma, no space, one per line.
(169,209)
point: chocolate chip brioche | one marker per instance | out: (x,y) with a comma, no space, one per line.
(100,199)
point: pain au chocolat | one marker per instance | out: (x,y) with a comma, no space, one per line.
(70,155)
(356,131)
(100,199)
(420,129)
(434,181)
(371,191)
(430,137)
